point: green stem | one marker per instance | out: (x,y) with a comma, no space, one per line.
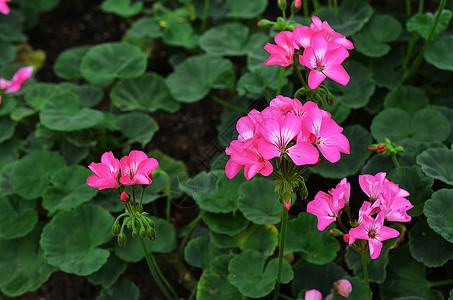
(301,78)
(153,271)
(298,263)
(365,275)
(280,79)
(167,284)
(168,206)
(229,105)
(285,297)
(281,250)
(142,194)
(335,7)
(440,283)
(395,161)
(408,7)
(329,4)
(305,8)
(413,39)
(419,58)
(205,15)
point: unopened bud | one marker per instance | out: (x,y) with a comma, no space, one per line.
(335,232)
(135,234)
(151,234)
(381,148)
(264,22)
(122,239)
(115,229)
(124,196)
(143,232)
(346,238)
(343,287)
(282,4)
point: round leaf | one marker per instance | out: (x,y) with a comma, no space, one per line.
(147,93)
(69,189)
(67,64)
(146,27)
(230,223)
(258,201)
(121,290)
(408,98)
(387,69)
(123,8)
(319,247)
(109,273)
(138,127)
(179,34)
(196,76)
(436,164)
(245,10)
(439,212)
(38,94)
(31,175)
(88,95)
(199,252)
(78,252)
(438,52)
(428,247)
(228,39)
(7,52)
(62,113)
(105,62)
(422,23)
(18,217)
(7,127)
(359,139)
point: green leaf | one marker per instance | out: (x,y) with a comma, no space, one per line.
(122,8)
(406,277)
(428,247)
(320,277)
(378,164)
(319,247)
(165,242)
(18,217)
(109,273)
(7,52)
(138,127)
(62,113)
(105,62)
(247,272)
(373,38)
(69,189)
(245,10)
(408,98)
(263,239)
(359,89)
(88,95)
(376,267)
(387,69)
(359,139)
(146,27)
(199,252)
(258,201)
(179,34)
(78,252)
(7,127)
(196,76)
(22,264)
(67,64)
(38,94)
(439,212)
(259,80)
(422,23)
(229,224)
(398,125)
(438,52)
(229,39)
(359,290)
(256,54)
(351,16)
(416,183)
(121,290)
(435,163)
(31,175)
(147,93)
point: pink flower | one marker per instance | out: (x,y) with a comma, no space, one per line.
(105,173)
(4,9)
(282,53)
(374,231)
(334,38)
(137,168)
(313,295)
(277,136)
(297,3)
(342,190)
(327,134)
(302,36)
(376,185)
(124,196)
(324,62)
(325,207)
(343,287)
(16,82)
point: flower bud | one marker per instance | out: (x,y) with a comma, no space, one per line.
(151,233)
(143,232)
(124,196)
(135,234)
(122,239)
(115,229)
(381,148)
(346,238)
(264,22)
(343,287)
(282,4)
(335,232)
(139,208)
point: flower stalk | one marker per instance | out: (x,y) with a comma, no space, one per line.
(281,250)
(365,274)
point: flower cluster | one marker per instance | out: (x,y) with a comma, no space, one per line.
(13,85)
(136,168)
(386,202)
(285,127)
(4,9)
(320,48)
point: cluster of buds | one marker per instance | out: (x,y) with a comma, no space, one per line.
(387,202)
(136,169)
(343,287)
(14,85)
(387,148)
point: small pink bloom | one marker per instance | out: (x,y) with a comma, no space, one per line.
(343,287)
(16,82)
(342,190)
(313,295)
(374,231)
(137,168)
(4,9)
(334,38)
(324,62)
(124,196)
(282,53)
(325,207)
(346,238)
(105,173)
(297,3)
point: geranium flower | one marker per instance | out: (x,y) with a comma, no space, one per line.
(325,207)
(282,53)
(13,85)
(343,287)
(105,173)
(4,9)
(137,168)
(374,231)
(334,38)
(313,295)
(324,62)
